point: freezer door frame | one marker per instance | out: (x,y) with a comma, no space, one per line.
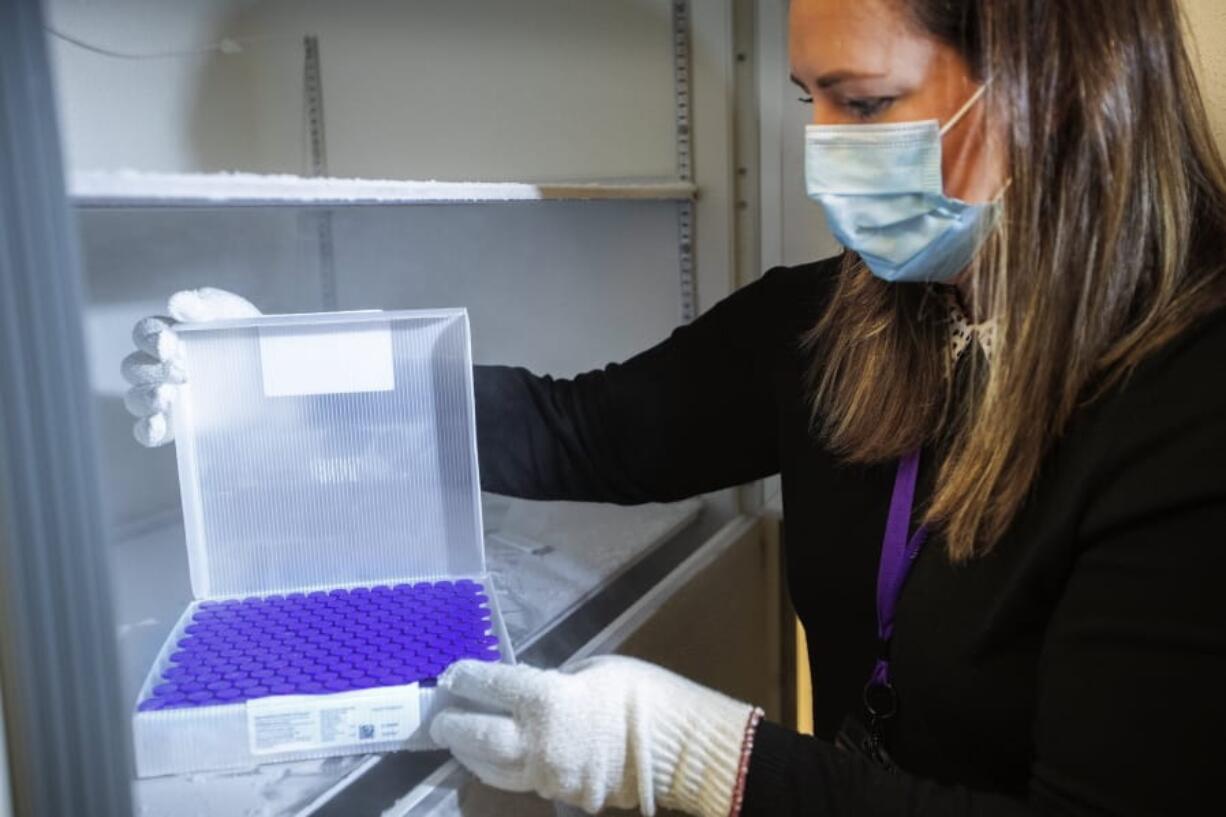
(66,740)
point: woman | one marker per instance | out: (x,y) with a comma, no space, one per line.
(1038,629)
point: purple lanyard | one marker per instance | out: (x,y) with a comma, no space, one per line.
(898,552)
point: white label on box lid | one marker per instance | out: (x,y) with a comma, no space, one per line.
(327,359)
(297,723)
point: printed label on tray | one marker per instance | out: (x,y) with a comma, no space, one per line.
(302,360)
(297,723)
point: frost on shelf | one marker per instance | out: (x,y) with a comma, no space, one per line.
(127,187)
(239,187)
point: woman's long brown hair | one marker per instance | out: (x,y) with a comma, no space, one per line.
(1112,242)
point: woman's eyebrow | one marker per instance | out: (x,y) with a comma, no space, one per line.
(833,78)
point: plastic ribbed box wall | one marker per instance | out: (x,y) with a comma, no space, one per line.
(332,508)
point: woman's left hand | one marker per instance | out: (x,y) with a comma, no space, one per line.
(608,731)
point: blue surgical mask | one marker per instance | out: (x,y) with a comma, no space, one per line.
(881,188)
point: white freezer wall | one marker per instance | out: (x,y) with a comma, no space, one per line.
(792,229)
(559,287)
(534,90)
(488,90)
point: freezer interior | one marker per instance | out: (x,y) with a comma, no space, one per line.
(293,160)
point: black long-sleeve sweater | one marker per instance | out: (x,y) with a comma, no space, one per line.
(1078,668)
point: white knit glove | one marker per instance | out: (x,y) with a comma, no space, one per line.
(155,369)
(608,731)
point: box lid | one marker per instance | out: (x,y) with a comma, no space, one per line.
(328,449)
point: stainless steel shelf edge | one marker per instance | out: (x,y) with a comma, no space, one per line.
(618,630)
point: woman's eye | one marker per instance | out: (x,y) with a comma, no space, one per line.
(868,107)
(808,100)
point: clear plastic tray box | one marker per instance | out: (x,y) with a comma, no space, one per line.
(332,508)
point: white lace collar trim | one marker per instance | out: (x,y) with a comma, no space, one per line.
(962,331)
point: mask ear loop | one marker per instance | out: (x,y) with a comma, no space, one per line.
(957,117)
(966,106)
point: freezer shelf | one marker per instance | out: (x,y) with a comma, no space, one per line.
(548,558)
(553,565)
(139,189)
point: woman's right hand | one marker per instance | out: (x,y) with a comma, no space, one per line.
(155,370)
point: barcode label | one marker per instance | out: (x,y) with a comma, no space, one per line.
(297,723)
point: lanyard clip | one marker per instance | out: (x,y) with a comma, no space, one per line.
(880,700)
